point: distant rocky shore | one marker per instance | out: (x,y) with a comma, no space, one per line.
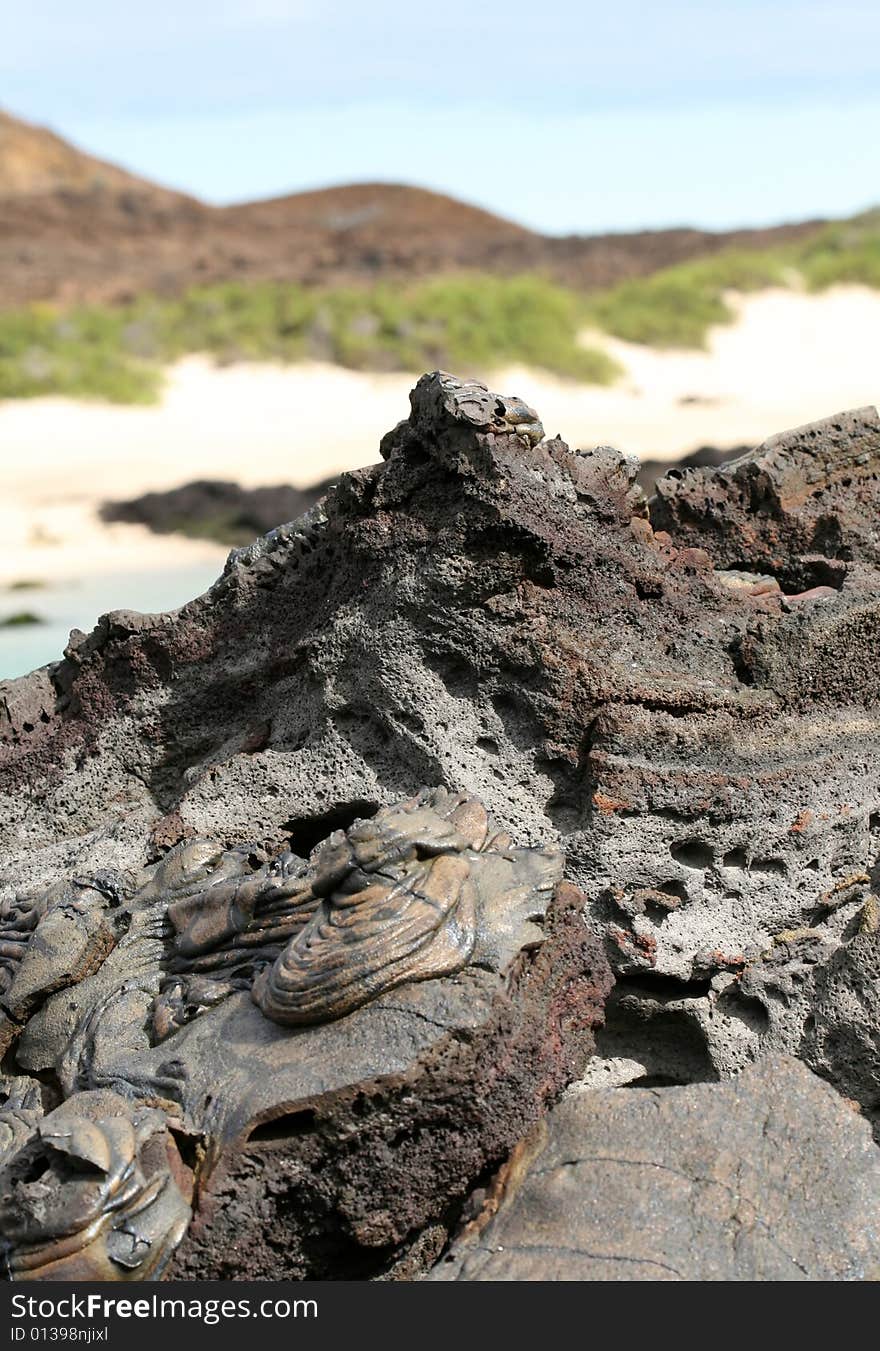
(217,510)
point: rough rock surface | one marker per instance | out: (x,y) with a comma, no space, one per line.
(341,1044)
(770,1177)
(97,1192)
(652,470)
(690,713)
(801,500)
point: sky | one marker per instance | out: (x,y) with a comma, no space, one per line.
(566,115)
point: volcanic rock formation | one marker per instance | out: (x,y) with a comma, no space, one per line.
(227,896)
(769,1178)
(424,990)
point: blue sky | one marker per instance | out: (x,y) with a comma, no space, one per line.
(565,116)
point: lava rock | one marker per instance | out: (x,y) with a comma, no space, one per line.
(770,1177)
(806,494)
(344,1042)
(683,698)
(97,1192)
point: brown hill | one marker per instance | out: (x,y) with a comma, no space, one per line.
(74,229)
(35,160)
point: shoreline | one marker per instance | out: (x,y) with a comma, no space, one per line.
(790,358)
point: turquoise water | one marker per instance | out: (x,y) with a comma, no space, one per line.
(77,605)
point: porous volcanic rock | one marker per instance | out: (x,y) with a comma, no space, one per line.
(799,502)
(770,1177)
(492,613)
(652,470)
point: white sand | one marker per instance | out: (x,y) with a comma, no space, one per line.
(789,359)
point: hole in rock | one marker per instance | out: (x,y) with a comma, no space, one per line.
(738,858)
(825,567)
(768,865)
(307,831)
(669,1042)
(287,1127)
(693,854)
(657,911)
(660,986)
(673,888)
(649,588)
(747,1009)
(33,1170)
(487,744)
(459,678)
(187,1148)
(656,1081)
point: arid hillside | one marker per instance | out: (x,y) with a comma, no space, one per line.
(35,160)
(75,229)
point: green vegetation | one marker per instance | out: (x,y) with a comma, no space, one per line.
(222,527)
(27,584)
(82,352)
(470,323)
(677,306)
(21,619)
(848,251)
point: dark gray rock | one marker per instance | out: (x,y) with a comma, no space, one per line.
(770,1177)
(215,509)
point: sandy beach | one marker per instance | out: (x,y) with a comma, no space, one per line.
(790,358)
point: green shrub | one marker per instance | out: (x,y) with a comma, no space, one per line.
(21,619)
(78,353)
(465,323)
(848,251)
(677,306)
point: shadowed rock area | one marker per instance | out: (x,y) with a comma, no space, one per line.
(768,1178)
(670,712)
